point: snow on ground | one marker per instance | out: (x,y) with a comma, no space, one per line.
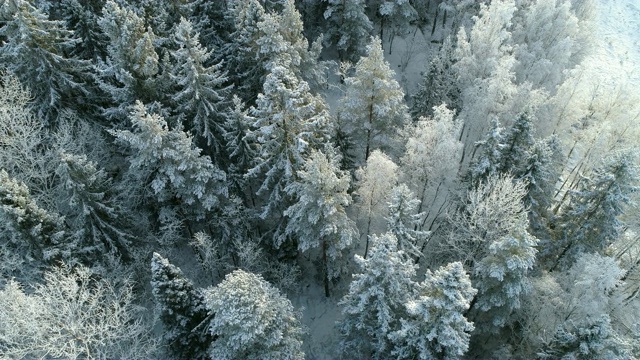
(617,52)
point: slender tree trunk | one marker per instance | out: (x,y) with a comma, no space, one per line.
(325,270)
(366,246)
(370,119)
(444,19)
(435,21)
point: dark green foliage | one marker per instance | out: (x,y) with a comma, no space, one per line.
(439,84)
(182,311)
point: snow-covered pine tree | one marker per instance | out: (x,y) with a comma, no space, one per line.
(31,230)
(183,310)
(284,43)
(438,85)
(436,326)
(590,220)
(264,40)
(502,277)
(101,223)
(242,58)
(290,121)
(404,221)
(128,73)
(171,165)
(209,20)
(374,184)
(376,300)
(199,98)
(240,145)
(347,27)
(318,216)
(373,107)
(252,320)
(35,49)
(430,145)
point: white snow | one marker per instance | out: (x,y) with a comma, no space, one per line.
(617,52)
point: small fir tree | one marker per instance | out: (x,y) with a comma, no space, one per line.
(438,85)
(404,220)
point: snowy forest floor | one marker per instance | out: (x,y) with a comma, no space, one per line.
(613,66)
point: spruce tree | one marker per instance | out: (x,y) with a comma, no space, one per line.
(318,216)
(183,311)
(200,96)
(347,27)
(30,228)
(241,147)
(243,61)
(82,18)
(436,326)
(376,300)
(595,338)
(35,49)
(129,72)
(438,85)
(590,220)
(100,221)
(170,164)
(290,122)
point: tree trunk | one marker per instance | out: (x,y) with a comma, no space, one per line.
(435,21)
(325,266)
(366,246)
